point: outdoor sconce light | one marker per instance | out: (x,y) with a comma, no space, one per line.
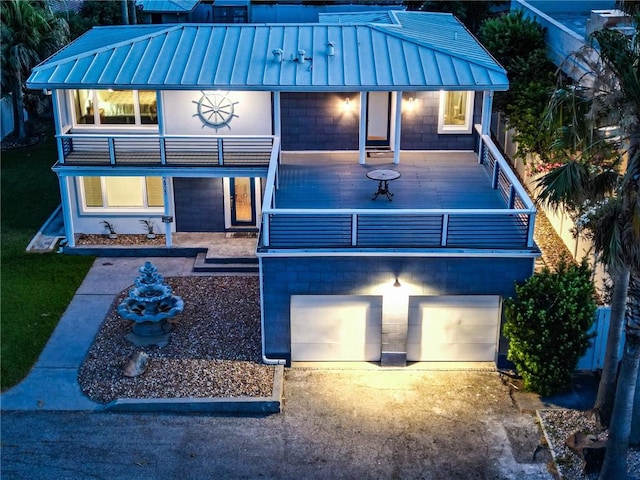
(397,283)
(331,49)
(277,55)
(301,54)
(410,104)
(346,105)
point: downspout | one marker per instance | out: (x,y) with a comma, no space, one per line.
(265,359)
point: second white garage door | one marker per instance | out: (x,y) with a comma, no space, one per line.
(335,328)
(453,328)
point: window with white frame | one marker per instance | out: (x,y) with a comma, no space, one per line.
(115,107)
(456,112)
(121,193)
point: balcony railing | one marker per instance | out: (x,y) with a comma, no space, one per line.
(508,228)
(164,150)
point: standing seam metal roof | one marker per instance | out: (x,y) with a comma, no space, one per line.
(405,51)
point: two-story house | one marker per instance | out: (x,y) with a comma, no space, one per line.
(279,129)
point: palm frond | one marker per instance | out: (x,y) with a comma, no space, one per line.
(564,186)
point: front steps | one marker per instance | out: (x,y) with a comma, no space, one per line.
(221,265)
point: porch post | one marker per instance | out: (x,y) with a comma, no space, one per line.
(363,129)
(167,212)
(55,105)
(65,202)
(398,128)
(485,121)
(277,120)
(487,104)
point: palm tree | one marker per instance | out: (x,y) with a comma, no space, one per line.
(29,33)
(600,181)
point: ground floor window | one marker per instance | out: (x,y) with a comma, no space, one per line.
(128,193)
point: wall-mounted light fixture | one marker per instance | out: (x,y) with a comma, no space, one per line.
(346,105)
(331,49)
(277,55)
(410,104)
(397,283)
(301,54)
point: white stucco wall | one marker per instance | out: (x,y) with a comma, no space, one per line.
(253,110)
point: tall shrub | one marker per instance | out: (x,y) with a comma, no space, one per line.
(547,325)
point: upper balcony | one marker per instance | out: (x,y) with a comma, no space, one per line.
(170,152)
(444,201)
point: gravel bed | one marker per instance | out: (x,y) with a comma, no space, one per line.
(214,351)
(125,240)
(559,424)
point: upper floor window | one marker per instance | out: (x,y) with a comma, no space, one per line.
(115,107)
(456,112)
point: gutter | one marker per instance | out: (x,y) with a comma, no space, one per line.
(265,359)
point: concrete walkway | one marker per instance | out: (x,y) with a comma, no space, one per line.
(53,382)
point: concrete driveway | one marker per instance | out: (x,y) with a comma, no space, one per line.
(337,423)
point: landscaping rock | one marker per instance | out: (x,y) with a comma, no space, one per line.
(136,365)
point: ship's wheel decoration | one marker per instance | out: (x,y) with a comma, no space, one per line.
(215,109)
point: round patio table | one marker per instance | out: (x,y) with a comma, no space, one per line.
(383,177)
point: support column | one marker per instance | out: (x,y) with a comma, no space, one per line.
(397,127)
(363,129)
(485,122)
(395,326)
(167,212)
(65,202)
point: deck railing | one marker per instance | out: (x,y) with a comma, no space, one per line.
(166,150)
(507,228)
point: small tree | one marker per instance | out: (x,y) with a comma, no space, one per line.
(518,44)
(547,325)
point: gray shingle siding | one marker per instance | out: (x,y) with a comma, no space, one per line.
(199,204)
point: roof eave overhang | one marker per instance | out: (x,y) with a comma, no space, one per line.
(270,88)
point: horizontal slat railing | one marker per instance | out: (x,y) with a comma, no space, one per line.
(402,228)
(167,150)
(508,228)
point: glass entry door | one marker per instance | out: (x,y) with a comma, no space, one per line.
(242,192)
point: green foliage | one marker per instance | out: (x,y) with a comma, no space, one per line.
(518,44)
(547,325)
(471,13)
(35,289)
(95,12)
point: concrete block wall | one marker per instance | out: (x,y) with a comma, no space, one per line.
(283,277)
(420,126)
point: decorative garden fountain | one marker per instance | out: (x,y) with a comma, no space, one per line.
(150,305)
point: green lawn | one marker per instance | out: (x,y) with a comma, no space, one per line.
(35,289)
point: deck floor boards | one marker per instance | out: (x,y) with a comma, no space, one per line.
(428,180)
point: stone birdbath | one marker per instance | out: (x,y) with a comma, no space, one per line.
(151,304)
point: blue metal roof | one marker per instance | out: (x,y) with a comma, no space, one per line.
(415,51)
(168,6)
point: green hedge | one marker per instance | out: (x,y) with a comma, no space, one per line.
(547,325)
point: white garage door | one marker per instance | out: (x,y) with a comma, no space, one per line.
(453,328)
(335,328)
